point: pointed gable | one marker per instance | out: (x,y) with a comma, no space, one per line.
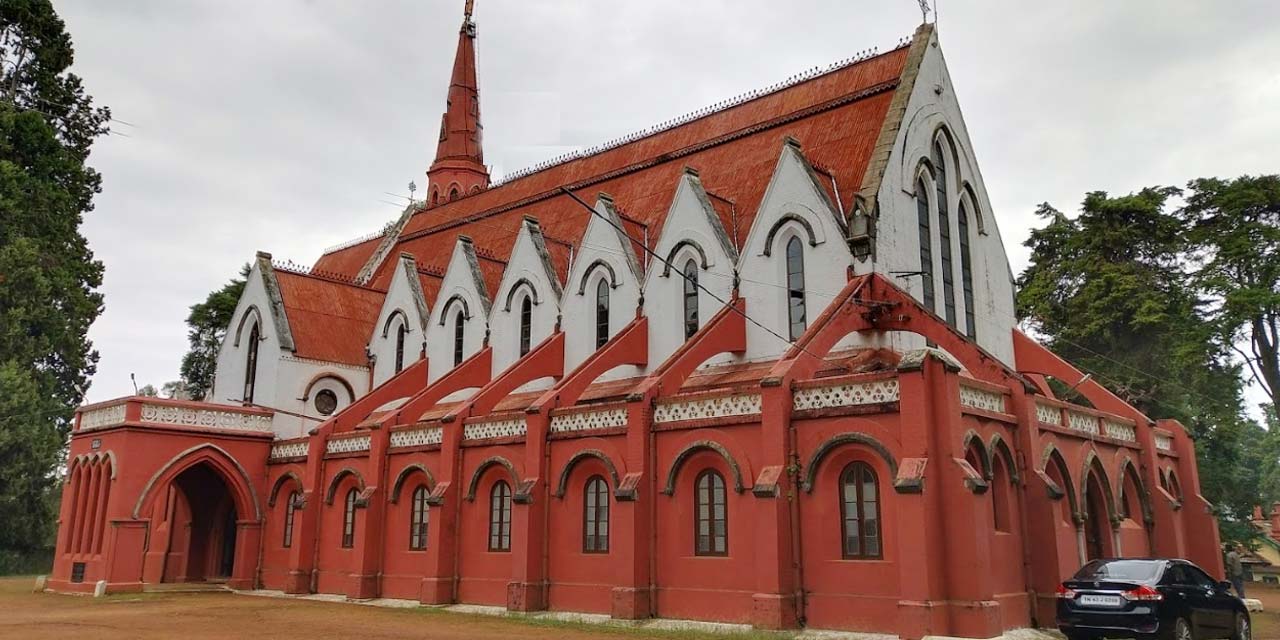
(405,305)
(529,274)
(462,296)
(606,255)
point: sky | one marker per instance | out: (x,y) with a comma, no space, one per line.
(282,126)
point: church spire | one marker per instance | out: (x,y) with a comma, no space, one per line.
(459,165)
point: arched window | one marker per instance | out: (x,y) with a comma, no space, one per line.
(349,519)
(526,324)
(595,516)
(251,364)
(711,515)
(966,272)
(926,243)
(690,298)
(944,233)
(400,331)
(453,194)
(602,312)
(860,511)
(418,519)
(289,507)
(500,517)
(457,337)
(795,288)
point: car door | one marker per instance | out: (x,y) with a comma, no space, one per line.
(1220,604)
(1190,599)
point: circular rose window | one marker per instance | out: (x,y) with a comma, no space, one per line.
(326,402)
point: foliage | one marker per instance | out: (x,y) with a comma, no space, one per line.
(1109,290)
(1234,237)
(48,277)
(207,326)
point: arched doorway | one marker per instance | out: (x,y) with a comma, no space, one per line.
(1097,527)
(200,517)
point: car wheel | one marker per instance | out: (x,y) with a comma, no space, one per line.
(1243,631)
(1182,630)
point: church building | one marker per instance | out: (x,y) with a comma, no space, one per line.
(757,365)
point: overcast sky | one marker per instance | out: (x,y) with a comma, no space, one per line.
(278,125)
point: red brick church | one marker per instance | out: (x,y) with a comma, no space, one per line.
(758,364)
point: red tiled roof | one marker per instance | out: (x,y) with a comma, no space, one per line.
(348,260)
(329,320)
(836,116)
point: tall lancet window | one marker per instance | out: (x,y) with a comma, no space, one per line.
(602,312)
(966,271)
(458,329)
(690,298)
(526,324)
(944,233)
(926,243)
(251,364)
(795,288)
(400,331)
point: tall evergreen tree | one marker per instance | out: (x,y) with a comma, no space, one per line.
(1108,291)
(48,277)
(206,327)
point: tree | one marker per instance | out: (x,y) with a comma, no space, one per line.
(1234,231)
(1107,290)
(207,326)
(48,277)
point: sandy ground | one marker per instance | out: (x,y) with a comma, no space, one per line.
(32,616)
(1266,625)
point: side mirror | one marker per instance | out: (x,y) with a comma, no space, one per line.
(1225,586)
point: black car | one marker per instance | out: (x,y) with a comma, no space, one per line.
(1149,598)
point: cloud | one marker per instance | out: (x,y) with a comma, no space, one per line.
(278,125)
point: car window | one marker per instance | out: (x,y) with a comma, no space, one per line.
(1135,570)
(1198,577)
(1173,574)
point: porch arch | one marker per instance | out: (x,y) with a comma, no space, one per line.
(227,467)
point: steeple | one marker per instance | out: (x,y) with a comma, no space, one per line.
(459,165)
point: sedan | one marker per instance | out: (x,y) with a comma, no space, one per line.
(1149,599)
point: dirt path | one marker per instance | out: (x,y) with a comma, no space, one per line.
(192,616)
(1266,625)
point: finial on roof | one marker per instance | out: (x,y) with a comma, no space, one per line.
(471,5)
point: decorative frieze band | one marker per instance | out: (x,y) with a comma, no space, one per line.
(199,417)
(589,420)
(1048,414)
(104,417)
(288,450)
(348,445)
(417,437)
(981,399)
(847,395)
(1163,442)
(702,408)
(1120,430)
(1083,422)
(495,429)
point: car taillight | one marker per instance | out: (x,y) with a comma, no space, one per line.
(1143,593)
(1065,593)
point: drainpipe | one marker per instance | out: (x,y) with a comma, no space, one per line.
(797,549)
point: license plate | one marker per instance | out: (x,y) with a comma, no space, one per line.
(1091,600)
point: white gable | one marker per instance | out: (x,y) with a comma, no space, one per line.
(529,274)
(794,206)
(404,306)
(604,255)
(462,296)
(692,230)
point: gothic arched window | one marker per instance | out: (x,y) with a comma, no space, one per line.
(418,518)
(944,233)
(289,508)
(349,519)
(602,312)
(457,337)
(526,324)
(251,364)
(690,298)
(711,515)
(966,272)
(500,517)
(795,288)
(860,511)
(595,516)
(400,334)
(926,243)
